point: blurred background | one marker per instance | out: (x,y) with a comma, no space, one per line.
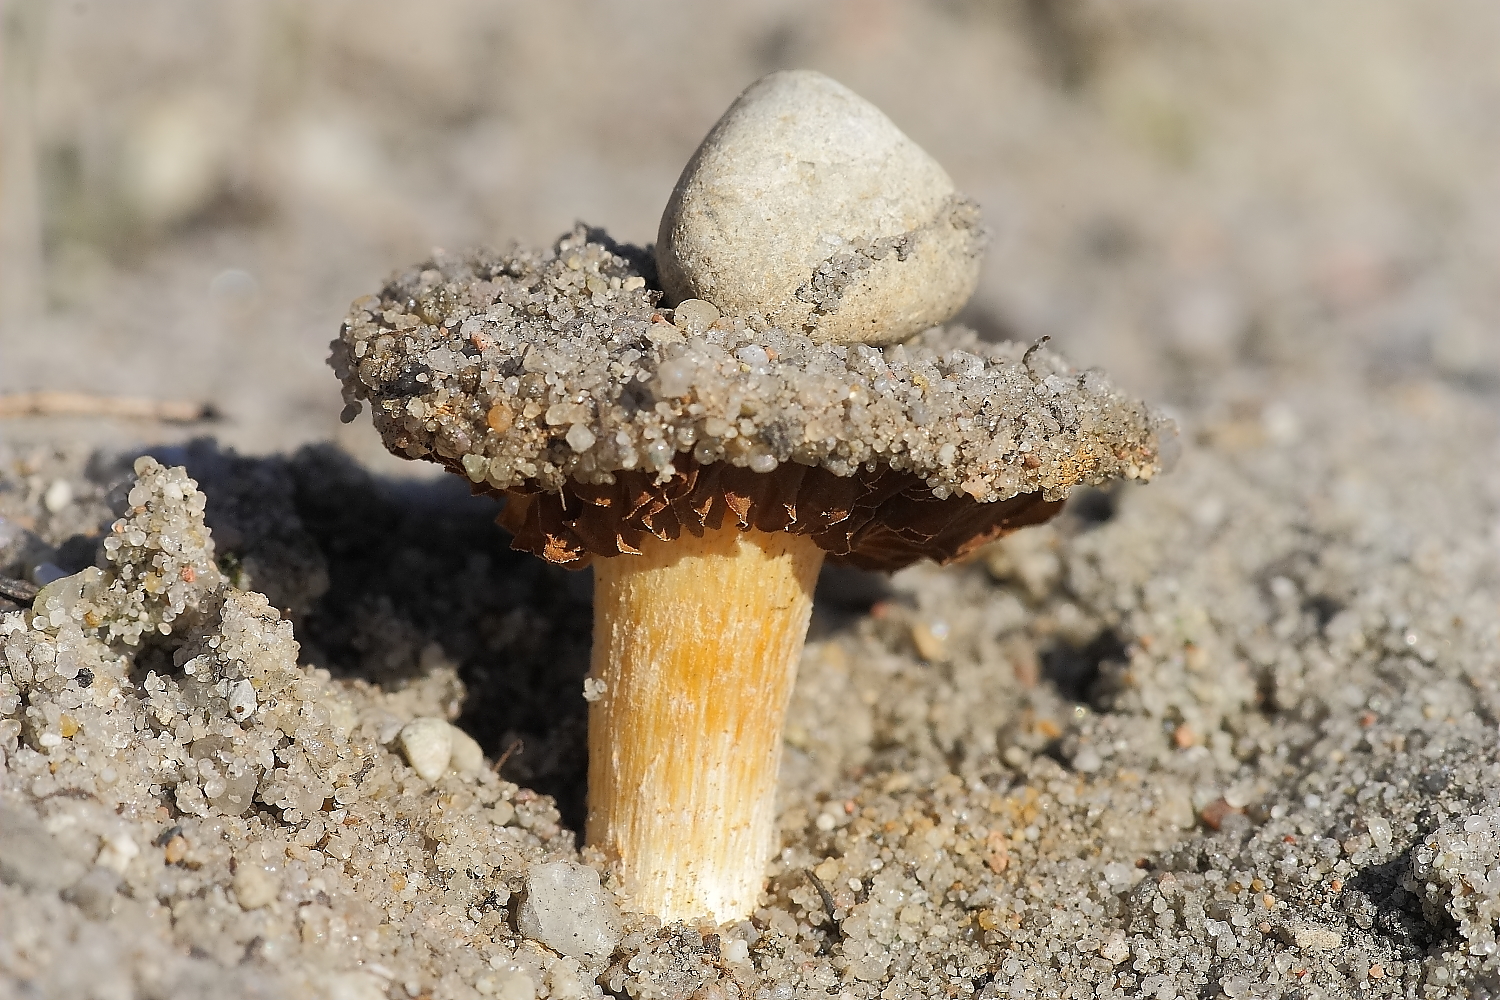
(1234,195)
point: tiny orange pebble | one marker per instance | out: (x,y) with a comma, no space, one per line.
(500,417)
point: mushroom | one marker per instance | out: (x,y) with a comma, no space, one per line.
(705,463)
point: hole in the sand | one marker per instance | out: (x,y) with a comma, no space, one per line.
(1091,507)
(1075,671)
(1378,900)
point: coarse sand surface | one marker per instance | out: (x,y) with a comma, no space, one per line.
(289,718)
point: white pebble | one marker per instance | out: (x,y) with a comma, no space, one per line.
(755,356)
(566,909)
(241,701)
(580,438)
(58,496)
(694,315)
(1314,938)
(254,887)
(468,755)
(806,205)
(1115,950)
(502,812)
(674,379)
(1119,876)
(513,984)
(427,744)
(356,985)
(117,852)
(1087,760)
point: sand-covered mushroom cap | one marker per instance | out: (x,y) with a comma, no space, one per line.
(556,377)
(807,206)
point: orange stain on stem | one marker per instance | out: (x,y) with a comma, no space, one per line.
(697,642)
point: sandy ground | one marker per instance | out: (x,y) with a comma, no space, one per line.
(1234,733)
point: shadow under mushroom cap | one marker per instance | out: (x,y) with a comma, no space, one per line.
(556,379)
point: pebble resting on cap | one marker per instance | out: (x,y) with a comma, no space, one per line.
(706,459)
(807,207)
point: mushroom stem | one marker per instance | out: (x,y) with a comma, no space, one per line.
(697,642)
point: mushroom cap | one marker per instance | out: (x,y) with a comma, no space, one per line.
(555,380)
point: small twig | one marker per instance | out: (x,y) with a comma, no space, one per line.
(56,403)
(18,591)
(1026,358)
(828,905)
(516,747)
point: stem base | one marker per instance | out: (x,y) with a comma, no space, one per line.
(697,642)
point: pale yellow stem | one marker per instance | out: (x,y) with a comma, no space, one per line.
(697,643)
